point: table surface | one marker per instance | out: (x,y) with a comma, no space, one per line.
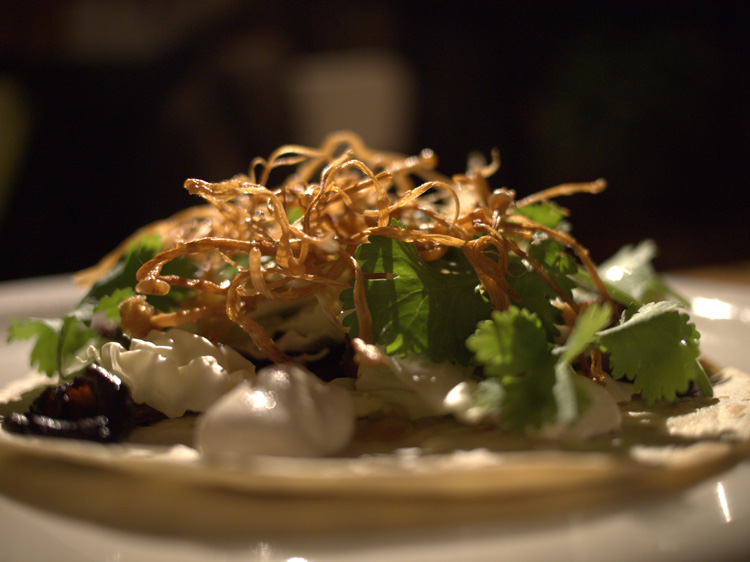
(737,272)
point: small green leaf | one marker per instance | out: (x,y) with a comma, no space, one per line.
(227,272)
(513,349)
(75,337)
(489,396)
(47,333)
(631,271)
(584,281)
(511,343)
(656,348)
(109,305)
(122,275)
(568,400)
(57,342)
(293,214)
(546,213)
(593,319)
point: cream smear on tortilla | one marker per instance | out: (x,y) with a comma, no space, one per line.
(285,410)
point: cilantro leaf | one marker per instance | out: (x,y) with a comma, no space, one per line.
(293,214)
(47,333)
(122,275)
(554,257)
(570,399)
(424,308)
(57,342)
(75,336)
(584,333)
(657,349)
(512,342)
(529,381)
(546,213)
(489,397)
(513,348)
(109,305)
(584,281)
(536,295)
(631,270)
(227,272)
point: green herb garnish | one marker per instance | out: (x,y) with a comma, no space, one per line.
(58,342)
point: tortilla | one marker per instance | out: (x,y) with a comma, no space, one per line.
(155,483)
(661,447)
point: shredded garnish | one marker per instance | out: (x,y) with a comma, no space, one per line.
(298,238)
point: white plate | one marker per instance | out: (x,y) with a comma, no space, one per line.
(707,521)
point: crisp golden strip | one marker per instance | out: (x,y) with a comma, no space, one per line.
(491,274)
(186,316)
(596,186)
(237,313)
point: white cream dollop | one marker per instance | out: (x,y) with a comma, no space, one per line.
(175,371)
(602,415)
(288,411)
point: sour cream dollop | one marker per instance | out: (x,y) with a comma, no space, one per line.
(175,371)
(602,415)
(288,411)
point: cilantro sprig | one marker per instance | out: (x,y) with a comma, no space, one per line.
(58,342)
(530,381)
(657,349)
(630,277)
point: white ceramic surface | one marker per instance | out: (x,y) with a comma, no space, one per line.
(709,521)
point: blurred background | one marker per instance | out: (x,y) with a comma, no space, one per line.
(107,106)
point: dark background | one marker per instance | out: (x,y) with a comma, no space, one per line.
(109,106)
